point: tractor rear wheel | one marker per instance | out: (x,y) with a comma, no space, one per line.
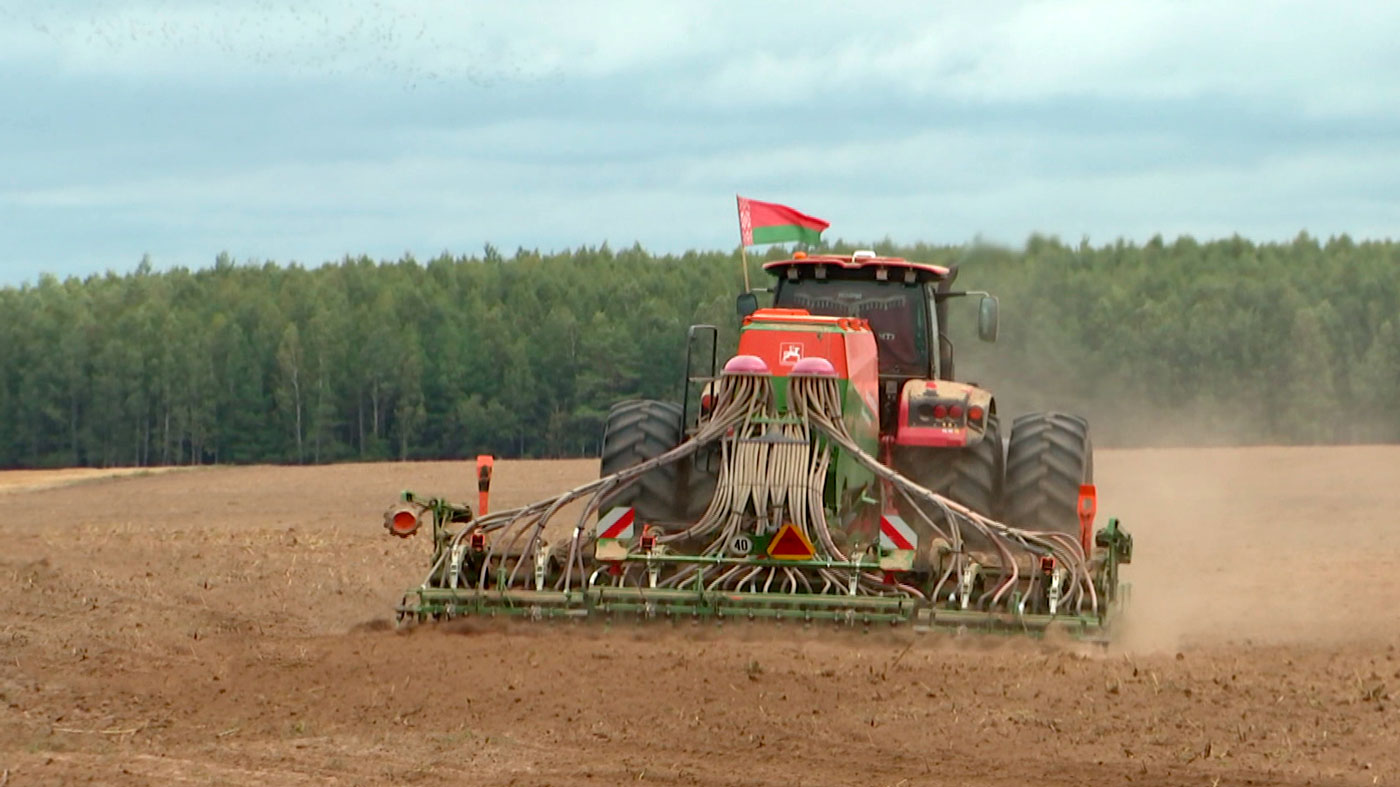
(1049,457)
(971,476)
(638,430)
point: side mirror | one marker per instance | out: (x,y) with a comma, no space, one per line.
(987,319)
(746,303)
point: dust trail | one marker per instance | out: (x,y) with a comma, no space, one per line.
(1267,544)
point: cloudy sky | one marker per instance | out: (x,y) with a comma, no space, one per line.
(307,130)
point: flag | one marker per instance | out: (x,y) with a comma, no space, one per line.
(769,222)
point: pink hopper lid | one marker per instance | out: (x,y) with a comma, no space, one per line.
(813,367)
(746,364)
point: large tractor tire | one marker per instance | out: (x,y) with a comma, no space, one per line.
(971,476)
(1049,457)
(641,429)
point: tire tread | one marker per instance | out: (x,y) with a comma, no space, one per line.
(1050,455)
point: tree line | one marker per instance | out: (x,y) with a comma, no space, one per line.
(1160,343)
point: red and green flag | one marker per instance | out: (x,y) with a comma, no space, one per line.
(769,222)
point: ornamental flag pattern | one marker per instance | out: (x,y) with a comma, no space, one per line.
(769,222)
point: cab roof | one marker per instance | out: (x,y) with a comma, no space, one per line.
(860,260)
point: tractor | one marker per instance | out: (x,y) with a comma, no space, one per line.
(832,470)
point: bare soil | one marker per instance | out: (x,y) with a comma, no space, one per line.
(30,480)
(231,626)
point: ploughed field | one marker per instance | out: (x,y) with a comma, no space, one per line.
(231,626)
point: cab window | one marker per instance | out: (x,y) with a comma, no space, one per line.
(896,312)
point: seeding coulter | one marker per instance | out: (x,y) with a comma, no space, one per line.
(832,470)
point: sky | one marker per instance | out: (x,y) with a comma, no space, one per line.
(306,131)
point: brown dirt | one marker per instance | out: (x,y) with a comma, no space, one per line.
(230,626)
(31,480)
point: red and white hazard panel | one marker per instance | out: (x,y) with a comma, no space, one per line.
(898,542)
(618,523)
(615,532)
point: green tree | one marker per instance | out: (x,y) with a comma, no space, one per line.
(290,364)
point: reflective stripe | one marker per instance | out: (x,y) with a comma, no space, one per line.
(895,533)
(617,524)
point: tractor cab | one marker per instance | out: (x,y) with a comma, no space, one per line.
(905,303)
(897,297)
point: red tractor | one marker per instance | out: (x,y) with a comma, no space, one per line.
(832,470)
(943,434)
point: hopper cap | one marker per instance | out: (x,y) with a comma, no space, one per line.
(746,364)
(813,367)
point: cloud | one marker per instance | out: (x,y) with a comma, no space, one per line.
(945,186)
(742,52)
(1326,58)
(313,129)
(400,42)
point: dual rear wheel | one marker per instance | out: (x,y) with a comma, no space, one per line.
(636,431)
(1033,485)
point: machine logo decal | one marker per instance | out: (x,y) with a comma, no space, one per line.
(789,353)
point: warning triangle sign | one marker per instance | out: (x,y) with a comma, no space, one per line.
(790,544)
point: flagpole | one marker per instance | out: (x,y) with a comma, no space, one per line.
(743,250)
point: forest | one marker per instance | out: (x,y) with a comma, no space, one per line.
(1162,343)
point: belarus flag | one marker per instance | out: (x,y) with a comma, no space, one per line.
(769,222)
